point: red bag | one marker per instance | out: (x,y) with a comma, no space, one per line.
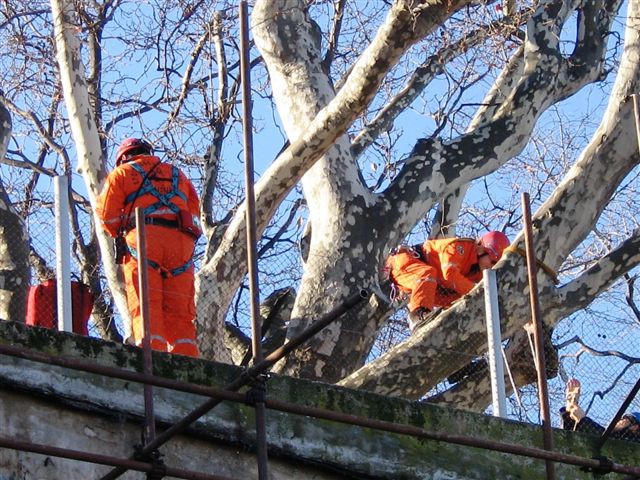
(42,306)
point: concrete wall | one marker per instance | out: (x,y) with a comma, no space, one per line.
(45,404)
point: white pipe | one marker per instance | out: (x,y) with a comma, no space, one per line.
(63,254)
(494,341)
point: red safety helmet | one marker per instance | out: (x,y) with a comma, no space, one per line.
(494,244)
(130,145)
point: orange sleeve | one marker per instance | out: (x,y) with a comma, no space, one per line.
(453,260)
(111,202)
(193,201)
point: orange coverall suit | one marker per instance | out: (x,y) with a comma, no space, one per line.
(169,250)
(444,270)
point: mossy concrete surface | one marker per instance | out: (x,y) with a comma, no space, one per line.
(102,414)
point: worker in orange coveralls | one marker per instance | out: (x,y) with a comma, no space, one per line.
(171,207)
(438,272)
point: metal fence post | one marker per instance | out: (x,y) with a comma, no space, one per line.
(494,342)
(63,255)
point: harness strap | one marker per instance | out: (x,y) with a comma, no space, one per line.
(166,273)
(149,188)
(414,250)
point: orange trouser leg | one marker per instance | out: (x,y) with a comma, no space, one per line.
(445,300)
(415,277)
(179,313)
(173,249)
(154,282)
(171,301)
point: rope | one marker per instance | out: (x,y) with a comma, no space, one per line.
(543,266)
(510,373)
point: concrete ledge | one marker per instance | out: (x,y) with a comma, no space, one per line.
(101,414)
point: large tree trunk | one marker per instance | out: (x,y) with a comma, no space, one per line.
(406,23)
(415,366)
(347,219)
(352,229)
(87,141)
(15,272)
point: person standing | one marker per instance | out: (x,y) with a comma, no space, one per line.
(171,207)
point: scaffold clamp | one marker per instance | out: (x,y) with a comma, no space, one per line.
(605,466)
(158,468)
(258,391)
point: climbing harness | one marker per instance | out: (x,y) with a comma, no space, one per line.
(414,250)
(164,200)
(166,273)
(148,188)
(395,294)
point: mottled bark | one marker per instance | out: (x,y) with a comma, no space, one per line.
(474,392)
(14,244)
(350,225)
(446,216)
(425,74)
(345,218)
(82,118)
(558,229)
(406,23)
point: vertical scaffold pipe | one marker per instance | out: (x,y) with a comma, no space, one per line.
(252,263)
(143,289)
(63,253)
(532,272)
(494,342)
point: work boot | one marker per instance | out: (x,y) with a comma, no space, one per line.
(421,316)
(468,370)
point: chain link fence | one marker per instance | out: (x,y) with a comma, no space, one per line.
(598,345)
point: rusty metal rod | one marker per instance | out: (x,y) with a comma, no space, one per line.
(250,219)
(536,318)
(468,441)
(143,298)
(103,459)
(627,401)
(248,376)
(320,413)
(250,212)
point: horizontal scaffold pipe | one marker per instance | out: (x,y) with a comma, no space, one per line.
(225,395)
(105,460)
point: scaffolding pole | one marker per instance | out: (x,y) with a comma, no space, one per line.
(536,318)
(143,289)
(247,377)
(494,343)
(252,261)
(104,460)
